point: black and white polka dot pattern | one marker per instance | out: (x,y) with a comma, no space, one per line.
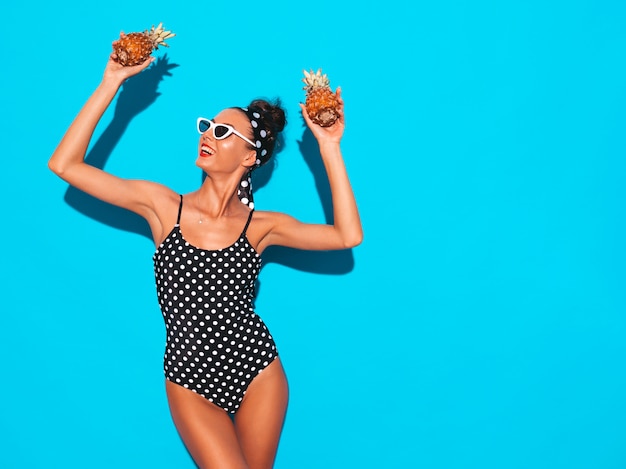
(260,142)
(260,134)
(244,191)
(216,344)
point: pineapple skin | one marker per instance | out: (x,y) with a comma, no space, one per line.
(321,103)
(133,49)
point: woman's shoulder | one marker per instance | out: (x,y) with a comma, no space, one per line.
(263,224)
(159,195)
(262,214)
(270,217)
(163,210)
(155,191)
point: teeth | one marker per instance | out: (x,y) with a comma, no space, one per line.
(207,149)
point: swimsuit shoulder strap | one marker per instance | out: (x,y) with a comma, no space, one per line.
(180,209)
(245,228)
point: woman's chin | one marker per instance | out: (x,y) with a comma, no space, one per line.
(201,162)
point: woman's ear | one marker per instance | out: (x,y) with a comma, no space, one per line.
(250,159)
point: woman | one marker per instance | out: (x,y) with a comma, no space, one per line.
(225,384)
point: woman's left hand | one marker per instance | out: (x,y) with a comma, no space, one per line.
(332,133)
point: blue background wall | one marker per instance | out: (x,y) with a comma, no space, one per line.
(480,324)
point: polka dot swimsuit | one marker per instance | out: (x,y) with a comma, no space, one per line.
(216,344)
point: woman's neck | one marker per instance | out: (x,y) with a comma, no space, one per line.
(218,197)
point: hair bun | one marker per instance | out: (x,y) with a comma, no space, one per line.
(272,114)
(269,120)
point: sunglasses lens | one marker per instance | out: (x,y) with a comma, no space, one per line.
(203,126)
(221,131)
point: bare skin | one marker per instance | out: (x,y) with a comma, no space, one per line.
(213,439)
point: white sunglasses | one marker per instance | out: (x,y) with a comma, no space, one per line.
(220,131)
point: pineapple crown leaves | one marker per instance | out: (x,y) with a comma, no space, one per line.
(314,80)
(158,35)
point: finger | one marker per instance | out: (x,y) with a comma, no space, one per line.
(339,98)
(138,68)
(305,114)
(339,103)
(147,62)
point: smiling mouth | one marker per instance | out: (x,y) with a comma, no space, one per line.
(206,150)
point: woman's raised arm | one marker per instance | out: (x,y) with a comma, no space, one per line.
(346,232)
(67,161)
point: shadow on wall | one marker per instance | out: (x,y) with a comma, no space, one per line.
(137,94)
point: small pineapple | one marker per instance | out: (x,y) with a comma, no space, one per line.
(135,48)
(321,103)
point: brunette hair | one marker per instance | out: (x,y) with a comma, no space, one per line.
(272,121)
